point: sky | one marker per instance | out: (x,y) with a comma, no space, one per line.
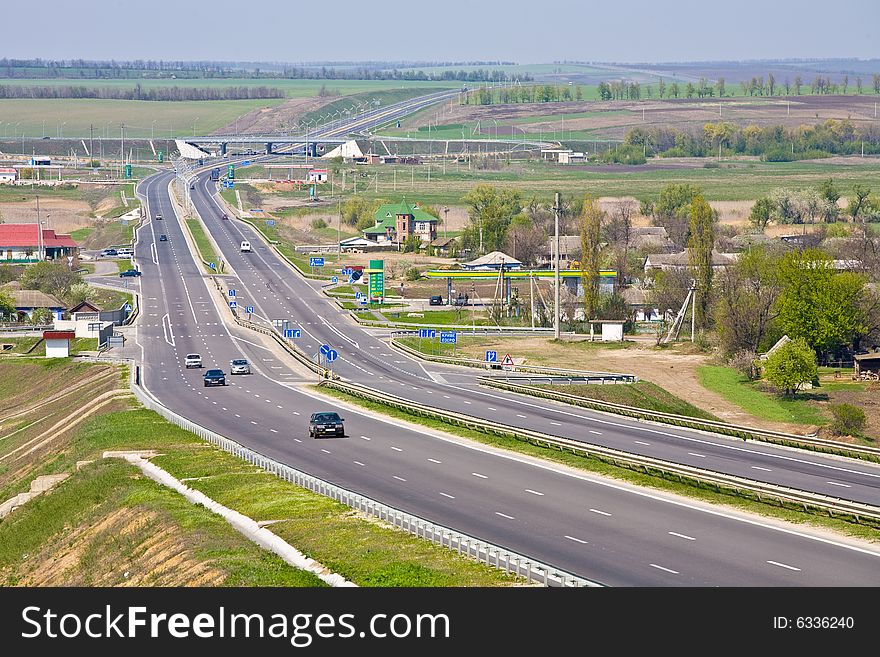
(450,30)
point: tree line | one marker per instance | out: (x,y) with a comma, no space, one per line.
(756,86)
(140,93)
(534,93)
(772,143)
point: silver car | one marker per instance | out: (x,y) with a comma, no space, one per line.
(239,366)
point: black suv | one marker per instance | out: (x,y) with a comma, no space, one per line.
(436,300)
(215,378)
(326,424)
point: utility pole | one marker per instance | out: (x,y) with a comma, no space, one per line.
(122,145)
(91,138)
(39,232)
(556,266)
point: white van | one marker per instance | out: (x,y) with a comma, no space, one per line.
(245,247)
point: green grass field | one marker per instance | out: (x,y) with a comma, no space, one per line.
(736,389)
(643,394)
(203,244)
(39,117)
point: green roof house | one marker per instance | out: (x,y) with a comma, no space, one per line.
(395,222)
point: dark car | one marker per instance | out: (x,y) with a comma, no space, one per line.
(129,272)
(436,300)
(107,253)
(326,424)
(192,186)
(224,216)
(163,237)
(215,378)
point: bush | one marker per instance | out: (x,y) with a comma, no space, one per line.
(413,274)
(791,366)
(744,362)
(849,420)
(319,223)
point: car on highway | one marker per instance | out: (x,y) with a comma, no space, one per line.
(215,378)
(224,217)
(192,360)
(163,237)
(158,216)
(326,423)
(245,247)
(239,366)
(125,252)
(192,186)
(109,253)
(436,300)
(129,272)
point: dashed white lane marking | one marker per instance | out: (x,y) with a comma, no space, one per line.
(522,416)
(466,401)
(492,409)
(641,442)
(446,397)
(481,476)
(534,492)
(237,415)
(253,422)
(556,424)
(279,405)
(668,570)
(684,536)
(297,440)
(224,408)
(326,451)
(504,515)
(359,463)
(396,449)
(296,412)
(435,461)
(451,497)
(601,513)
(783,565)
(399,478)
(274,430)
(598,433)
(702,456)
(758,467)
(836,483)
(576,540)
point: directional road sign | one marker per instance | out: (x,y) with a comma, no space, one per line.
(507,363)
(249,310)
(270,222)
(244,163)
(325,349)
(212,265)
(427,333)
(447,337)
(316,262)
(334,279)
(491,356)
(358,295)
(231,293)
(293,334)
(332,355)
(346,271)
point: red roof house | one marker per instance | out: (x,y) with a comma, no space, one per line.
(25,243)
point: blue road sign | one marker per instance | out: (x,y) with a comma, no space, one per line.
(229,184)
(231,293)
(270,222)
(350,280)
(316,262)
(324,349)
(245,163)
(427,333)
(364,300)
(233,304)
(288,333)
(128,307)
(332,355)
(448,337)
(491,356)
(358,295)
(297,334)
(346,271)
(249,309)
(334,279)
(212,265)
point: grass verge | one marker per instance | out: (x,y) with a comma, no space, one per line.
(203,244)
(642,394)
(656,481)
(738,390)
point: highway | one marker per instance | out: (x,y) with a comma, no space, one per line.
(609,532)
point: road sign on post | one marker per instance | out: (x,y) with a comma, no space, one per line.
(233,304)
(324,349)
(316,262)
(292,334)
(334,279)
(231,292)
(212,265)
(332,355)
(427,333)
(448,337)
(491,356)
(249,310)
(230,171)
(507,363)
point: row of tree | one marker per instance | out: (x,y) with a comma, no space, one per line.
(535,93)
(772,143)
(140,93)
(814,204)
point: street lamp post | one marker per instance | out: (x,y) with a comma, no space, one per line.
(556,265)
(445,221)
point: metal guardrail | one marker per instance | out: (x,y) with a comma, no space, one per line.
(739,431)
(491,554)
(538,369)
(749,488)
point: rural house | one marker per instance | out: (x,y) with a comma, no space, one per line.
(28,301)
(25,243)
(667,261)
(396,222)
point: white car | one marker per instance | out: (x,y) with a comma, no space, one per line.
(239,366)
(192,360)
(245,247)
